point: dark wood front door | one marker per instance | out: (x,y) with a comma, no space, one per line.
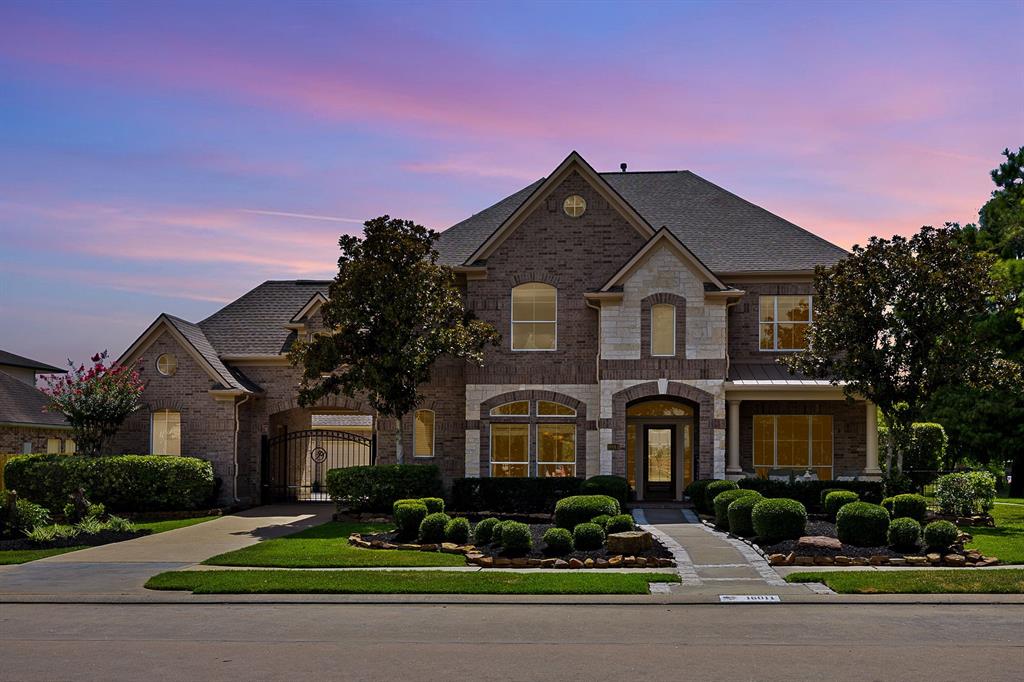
(659,457)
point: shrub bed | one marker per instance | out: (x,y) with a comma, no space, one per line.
(512,495)
(724,499)
(711,491)
(808,493)
(862,524)
(778,519)
(119,482)
(940,535)
(587,536)
(558,541)
(904,533)
(571,511)
(836,499)
(612,486)
(907,505)
(622,523)
(483,533)
(457,531)
(739,514)
(409,514)
(432,527)
(376,488)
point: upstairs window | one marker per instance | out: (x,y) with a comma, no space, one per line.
(534,316)
(166,433)
(663,329)
(423,434)
(783,322)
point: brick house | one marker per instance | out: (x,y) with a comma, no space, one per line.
(25,425)
(641,315)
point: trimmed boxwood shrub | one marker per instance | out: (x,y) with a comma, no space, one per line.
(808,493)
(739,514)
(724,499)
(376,487)
(695,491)
(497,530)
(619,524)
(409,514)
(516,538)
(601,520)
(483,533)
(612,486)
(825,492)
(862,524)
(940,535)
(457,531)
(432,527)
(711,491)
(778,519)
(908,505)
(904,533)
(887,505)
(119,482)
(435,505)
(558,541)
(835,500)
(577,509)
(512,495)
(588,536)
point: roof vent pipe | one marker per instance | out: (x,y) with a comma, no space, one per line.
(622,167)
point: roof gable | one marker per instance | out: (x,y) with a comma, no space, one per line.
(12,360)
(663,238)
(312,305)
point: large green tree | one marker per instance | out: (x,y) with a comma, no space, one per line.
(392,311)
(896,321)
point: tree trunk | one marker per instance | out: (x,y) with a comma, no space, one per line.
(399,453)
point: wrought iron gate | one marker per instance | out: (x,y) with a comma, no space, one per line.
(295,465)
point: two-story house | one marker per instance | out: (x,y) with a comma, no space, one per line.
(641,316)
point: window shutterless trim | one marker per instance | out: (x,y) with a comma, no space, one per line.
(433,433)
(505,463)
(672,330)
(575,448)
(810,442)
(775,322)
(512,321)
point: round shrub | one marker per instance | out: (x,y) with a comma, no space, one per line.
(570,511)
(484,531)
(739,514)
(457,531)
(904,533)
(432,527)
(835,500)
(588,536)
(601,520)
(612,486)
(435,505)
(862,524)
(940,535)
(824,493)
(622,523)
(722,502)
(408,517)
(496,532)
(558,541)
(516,538)
(778,519)
(887,505)
(695,491)
(711,491)
(909,505)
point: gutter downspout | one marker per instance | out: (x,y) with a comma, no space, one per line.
(728,359)
(234,482)
(597,360)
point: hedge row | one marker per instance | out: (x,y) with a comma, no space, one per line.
(808,493)
(375,488)
(119,482)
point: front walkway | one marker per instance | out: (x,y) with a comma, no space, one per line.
(123,567)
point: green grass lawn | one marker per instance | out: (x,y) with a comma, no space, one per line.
(163,525)
(326,546)
(405,582)
(1006,540)
(912,581)
(22,556)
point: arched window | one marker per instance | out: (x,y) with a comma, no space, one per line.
(518,408)
(663,329)
(165,432)
(534,317)
(423,434)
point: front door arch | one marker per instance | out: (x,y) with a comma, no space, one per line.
(660,446)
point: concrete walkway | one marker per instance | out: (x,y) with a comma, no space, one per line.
(123,567)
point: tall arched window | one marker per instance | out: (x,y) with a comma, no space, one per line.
(534,317)
(423,434)
(663,329)
(165,432)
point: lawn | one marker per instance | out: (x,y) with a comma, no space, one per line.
(22,556)
(912,581)
(405,582)
(1006,540)
(161,526)
(326,546)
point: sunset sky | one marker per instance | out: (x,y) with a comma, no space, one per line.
(168,157)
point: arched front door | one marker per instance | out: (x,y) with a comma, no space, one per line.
(660,447)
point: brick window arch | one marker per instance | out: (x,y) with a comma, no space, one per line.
(647,306)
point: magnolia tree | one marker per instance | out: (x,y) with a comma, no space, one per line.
(95,399)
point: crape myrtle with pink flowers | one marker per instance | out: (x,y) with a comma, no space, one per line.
(95,399)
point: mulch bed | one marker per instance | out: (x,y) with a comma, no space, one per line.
(102,538)
(828,529)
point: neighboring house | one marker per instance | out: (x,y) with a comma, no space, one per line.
(25,425)
(641,316)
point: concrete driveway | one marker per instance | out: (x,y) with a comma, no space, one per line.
(124,567)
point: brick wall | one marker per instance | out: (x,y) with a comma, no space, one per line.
(743,320)
(13,438)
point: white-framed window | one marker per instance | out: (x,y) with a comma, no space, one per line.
(534,317)
(423,433)
(69,446)
(510,450)
(165,430)
(53,446)
(516,408)
(783,322)
(793,441)
(663,329)
(167,364)
(556,450)
(549,408)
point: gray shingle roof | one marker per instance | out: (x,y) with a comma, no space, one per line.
(21,361)
(765,371)
(727,233)
(230,378)
(23,404)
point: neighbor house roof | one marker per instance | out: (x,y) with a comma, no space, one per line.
(727,233)
(21,361)
(21,404)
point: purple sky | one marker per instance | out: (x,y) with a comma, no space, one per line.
(167,157)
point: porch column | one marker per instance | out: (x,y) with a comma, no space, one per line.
(732,424)
(871,447)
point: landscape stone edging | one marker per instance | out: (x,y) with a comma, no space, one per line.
(477,558)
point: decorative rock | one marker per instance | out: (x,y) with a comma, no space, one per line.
(589,563)
(973,555)
(897,561)
(474,557)
(989,561)
(561,563)
(502,562)
(917,560)
(615,561)
(777,559)
(666,563)
(466,549)
(377,544)
(823,561)
(412,547)
(629,542)
(933,558)
(575,563)
(450,548)
(388,545)
(486,562)
(428,548)
(804,561)
(601,563)
(818,542)
(878,560)
(629,561)
(843,560)
(790,559)
(548,563)
(521,562)
(535,563)
(859,561)
(954,560)
(641,562)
